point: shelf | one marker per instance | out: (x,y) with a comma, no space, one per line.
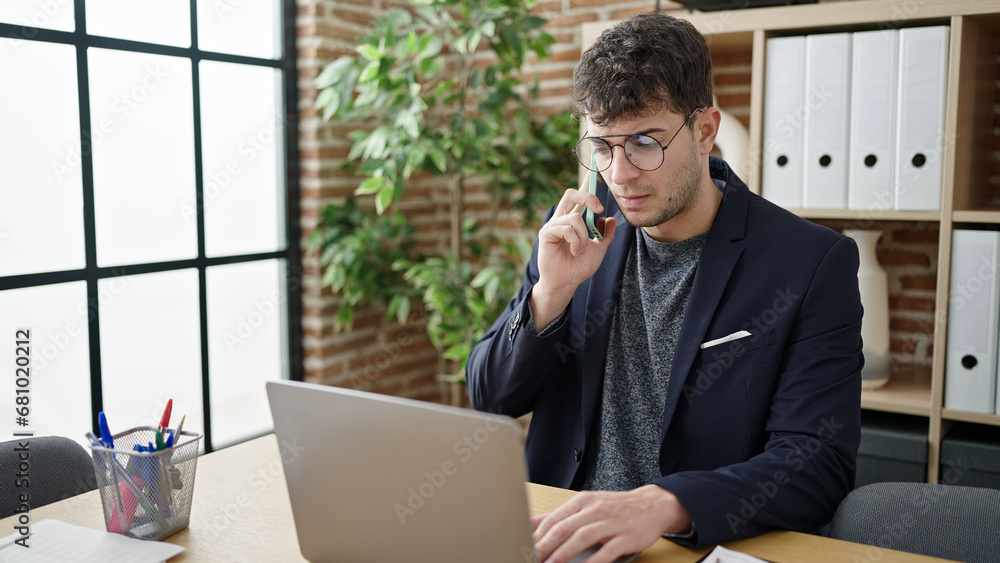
(976,216)
(908,392)
(867,214)
(964,416)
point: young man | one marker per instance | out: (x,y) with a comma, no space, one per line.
(698,368)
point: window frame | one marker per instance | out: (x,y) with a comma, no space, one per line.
(92,274)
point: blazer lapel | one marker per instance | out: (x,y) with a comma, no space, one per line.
(718,258)
(601,304)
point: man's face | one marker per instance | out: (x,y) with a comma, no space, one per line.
(651,198)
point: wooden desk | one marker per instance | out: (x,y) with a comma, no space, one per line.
(241,512)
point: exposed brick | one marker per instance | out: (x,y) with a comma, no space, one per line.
(568,20)
(732,100)
(911,303)
(903,257)
(562,73)
(912,325)
(547,7)
(591,3)
(561,92)
(570,55)
(909,250)
(916,237)
(902,346)
(564,38)
(730,79)
(628,12)
(363,17)
(918,282)
(731,57)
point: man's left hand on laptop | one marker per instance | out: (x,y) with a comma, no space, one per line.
(620,520)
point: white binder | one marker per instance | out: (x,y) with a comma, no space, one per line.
(923,74)
(971,358)
(828,81)
(873,120)
(784,115)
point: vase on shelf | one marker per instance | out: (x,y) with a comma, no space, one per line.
(874,286)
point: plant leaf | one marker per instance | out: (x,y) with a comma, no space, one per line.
(371,185)
(333,72)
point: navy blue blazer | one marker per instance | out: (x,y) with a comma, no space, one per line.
(760,432)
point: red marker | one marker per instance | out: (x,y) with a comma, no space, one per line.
(165,419)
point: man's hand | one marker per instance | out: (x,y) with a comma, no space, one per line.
(624,522)
(566,255)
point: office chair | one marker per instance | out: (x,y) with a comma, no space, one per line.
(58,468)
(938,520)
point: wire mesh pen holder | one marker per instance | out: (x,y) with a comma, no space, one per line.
(146,495)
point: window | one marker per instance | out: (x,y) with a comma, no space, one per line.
(149,235)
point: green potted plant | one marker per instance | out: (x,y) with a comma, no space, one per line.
(440,91)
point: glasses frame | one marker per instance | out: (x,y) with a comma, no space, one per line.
(612,146)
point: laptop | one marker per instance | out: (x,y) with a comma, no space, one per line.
(383,478)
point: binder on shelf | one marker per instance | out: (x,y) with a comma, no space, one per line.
(828,93)
(923,77)
(973,319)
(784,115)
(874,67)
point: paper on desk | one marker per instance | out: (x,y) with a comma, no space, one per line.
(54,540)
(723,555)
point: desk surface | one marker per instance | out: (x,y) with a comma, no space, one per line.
(241,512)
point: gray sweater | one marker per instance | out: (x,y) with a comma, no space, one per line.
(624,452)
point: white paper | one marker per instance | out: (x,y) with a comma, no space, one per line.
(54,540)
(723,555)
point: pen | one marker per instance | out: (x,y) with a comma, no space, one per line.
(133,484)
(159,441)
(175,436)
(106,438)
(165,419)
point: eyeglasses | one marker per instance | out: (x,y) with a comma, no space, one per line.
(643,151)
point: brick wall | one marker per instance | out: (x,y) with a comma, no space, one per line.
(908,253)
(400,360)
(394,359)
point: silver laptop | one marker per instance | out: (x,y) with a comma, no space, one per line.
(388,479)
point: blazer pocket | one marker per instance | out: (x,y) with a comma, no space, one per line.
(735,348)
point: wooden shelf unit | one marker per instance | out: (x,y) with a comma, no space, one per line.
(908,392)
(867,215)
(966,195)
(963,416)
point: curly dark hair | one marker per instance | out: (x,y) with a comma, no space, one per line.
(645,64)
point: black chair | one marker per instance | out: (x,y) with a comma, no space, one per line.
(57,468)
(945,521)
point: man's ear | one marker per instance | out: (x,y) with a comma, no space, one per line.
(706,128)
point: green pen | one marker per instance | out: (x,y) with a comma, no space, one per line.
(159,441)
